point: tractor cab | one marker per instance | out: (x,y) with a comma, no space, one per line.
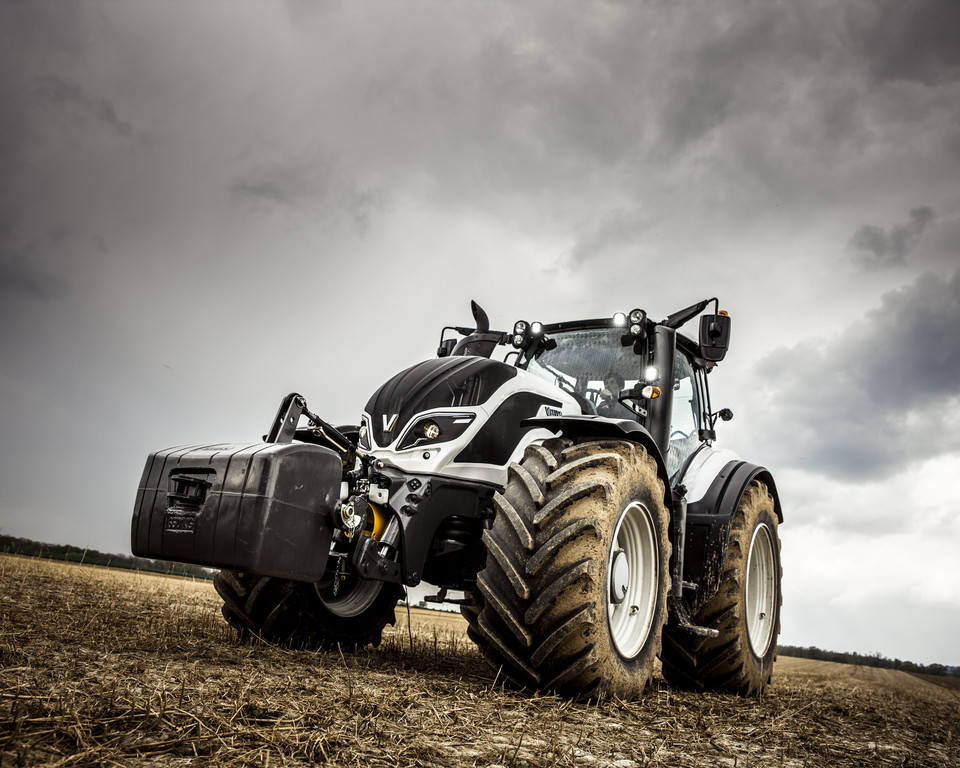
(628,367)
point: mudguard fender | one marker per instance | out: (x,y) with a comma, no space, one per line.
(708,524)
(599,427)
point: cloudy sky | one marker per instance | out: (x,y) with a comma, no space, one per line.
(204,206)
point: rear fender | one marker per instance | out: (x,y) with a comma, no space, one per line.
(708,524)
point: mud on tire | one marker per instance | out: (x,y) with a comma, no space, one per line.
(302,615)
(745,610)
(576,521)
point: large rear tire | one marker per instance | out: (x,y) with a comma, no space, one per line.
(302,615)
(573,594)
(745,610)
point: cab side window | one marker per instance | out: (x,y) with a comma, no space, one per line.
(685,419)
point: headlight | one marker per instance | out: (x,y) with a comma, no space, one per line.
(429,429)
(438,428)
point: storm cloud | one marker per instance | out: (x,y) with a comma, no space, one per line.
(70,97)
(911,41)
(307,194)
(879,397)
(18,277)
(875,248)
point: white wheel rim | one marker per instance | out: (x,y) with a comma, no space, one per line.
(761,590)
(353,598)
(630,619)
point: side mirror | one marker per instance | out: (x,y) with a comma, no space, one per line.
(714,337)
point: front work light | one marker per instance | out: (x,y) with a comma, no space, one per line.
(636,330)
(521,332)
(536,328)
(650,373)
(429,429)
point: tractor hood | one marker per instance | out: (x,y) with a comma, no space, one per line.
(447,382)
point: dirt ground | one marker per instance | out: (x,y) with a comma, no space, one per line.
(107,667)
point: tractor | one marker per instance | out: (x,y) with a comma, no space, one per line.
(559,481)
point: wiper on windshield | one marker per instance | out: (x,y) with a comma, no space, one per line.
(561,378)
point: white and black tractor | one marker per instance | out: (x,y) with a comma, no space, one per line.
(569,495)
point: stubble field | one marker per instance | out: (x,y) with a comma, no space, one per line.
(106,667)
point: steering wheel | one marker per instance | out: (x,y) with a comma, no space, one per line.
(593,395)
(678,435)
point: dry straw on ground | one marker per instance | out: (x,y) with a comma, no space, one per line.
(104,667)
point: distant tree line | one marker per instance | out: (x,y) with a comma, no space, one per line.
(868,660)
(17,546)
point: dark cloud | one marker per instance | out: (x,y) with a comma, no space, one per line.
(914,41)
(618,228)
(68,94)
(362,206)
(19,277)
(733,105)
(879,397)
(941,244)
(710,82)
(256,191)
(313,191)
(40,268)
(874,248)
(297,189)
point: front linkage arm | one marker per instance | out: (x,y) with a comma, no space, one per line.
(284,427)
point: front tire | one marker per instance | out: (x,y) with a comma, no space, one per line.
(573,596)
(302,615)
(745,610)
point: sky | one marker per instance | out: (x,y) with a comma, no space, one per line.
(205,206)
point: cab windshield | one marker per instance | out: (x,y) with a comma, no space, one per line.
(593,366)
